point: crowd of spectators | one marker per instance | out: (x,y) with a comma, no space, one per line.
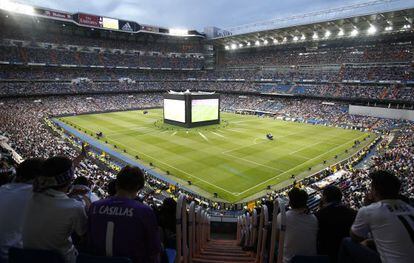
(347,91)
(36,36)
(25,124)
(58,57)
(359,53)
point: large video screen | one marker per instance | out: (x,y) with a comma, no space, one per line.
(204,110)
(110,23)
(174,110)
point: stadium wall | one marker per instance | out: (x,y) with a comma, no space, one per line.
(382,112)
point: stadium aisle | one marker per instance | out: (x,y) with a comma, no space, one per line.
(218,250)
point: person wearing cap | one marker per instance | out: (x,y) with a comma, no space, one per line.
(52,217)
(14,198)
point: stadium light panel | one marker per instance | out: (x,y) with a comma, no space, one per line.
(284,40)
(407,26)
(16,7)
(257,43)
(248,44)
(315,36)
(354,32)
(303,37)
(233,46)
(372,30)
(178,32)
(240,45)
(227,47)
(327,34)
(388,28)
(295,38)
(275,41)
(265,42)
(341,33)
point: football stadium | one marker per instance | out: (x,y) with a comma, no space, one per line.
(273,137)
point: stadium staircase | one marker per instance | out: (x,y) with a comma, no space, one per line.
(395,91)
(101,59)
(223,251)
(337,92)
(383,94)
(78,59)
(291,90)
(23,54)
(341,73)
(53,56)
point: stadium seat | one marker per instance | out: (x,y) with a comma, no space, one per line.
(84,258)
(21,255)
(310,259)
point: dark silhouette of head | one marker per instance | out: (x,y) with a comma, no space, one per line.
(384,185)
(297,198)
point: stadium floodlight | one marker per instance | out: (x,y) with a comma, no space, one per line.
(16,7)
(407,26)
(257,43)
(295,38)
(233,46)
(341,32)
(265,42)
(284,39)
(275,41)
(240,45)
(315,36)
(303,37)
(178,32)
(388,28)
(327,34)
(372,30)
(248,44)
(227,47)
(354,32)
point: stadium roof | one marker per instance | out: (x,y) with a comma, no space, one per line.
(373,16)
(92,20)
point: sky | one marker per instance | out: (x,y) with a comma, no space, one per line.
(192,14)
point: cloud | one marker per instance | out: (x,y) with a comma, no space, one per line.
(192,14)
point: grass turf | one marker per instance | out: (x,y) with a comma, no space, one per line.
(233,159)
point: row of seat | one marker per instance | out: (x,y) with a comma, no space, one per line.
(193,230)
(253,232)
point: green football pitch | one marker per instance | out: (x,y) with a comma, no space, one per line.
(233,159)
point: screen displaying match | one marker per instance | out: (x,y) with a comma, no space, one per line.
(174,110)
(204,110)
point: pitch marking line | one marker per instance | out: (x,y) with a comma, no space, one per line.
(203,136)
(298,165)
(255,140)
(301,156)
(307,146)
(245,146)
(253,162)
(174,133)
(127,129)
(190,175)
(218,134)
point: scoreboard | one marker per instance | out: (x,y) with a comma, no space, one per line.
(106,22)
(191,109)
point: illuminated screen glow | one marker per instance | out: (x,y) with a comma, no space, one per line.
(204,110)
(110,23)
(174,110)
